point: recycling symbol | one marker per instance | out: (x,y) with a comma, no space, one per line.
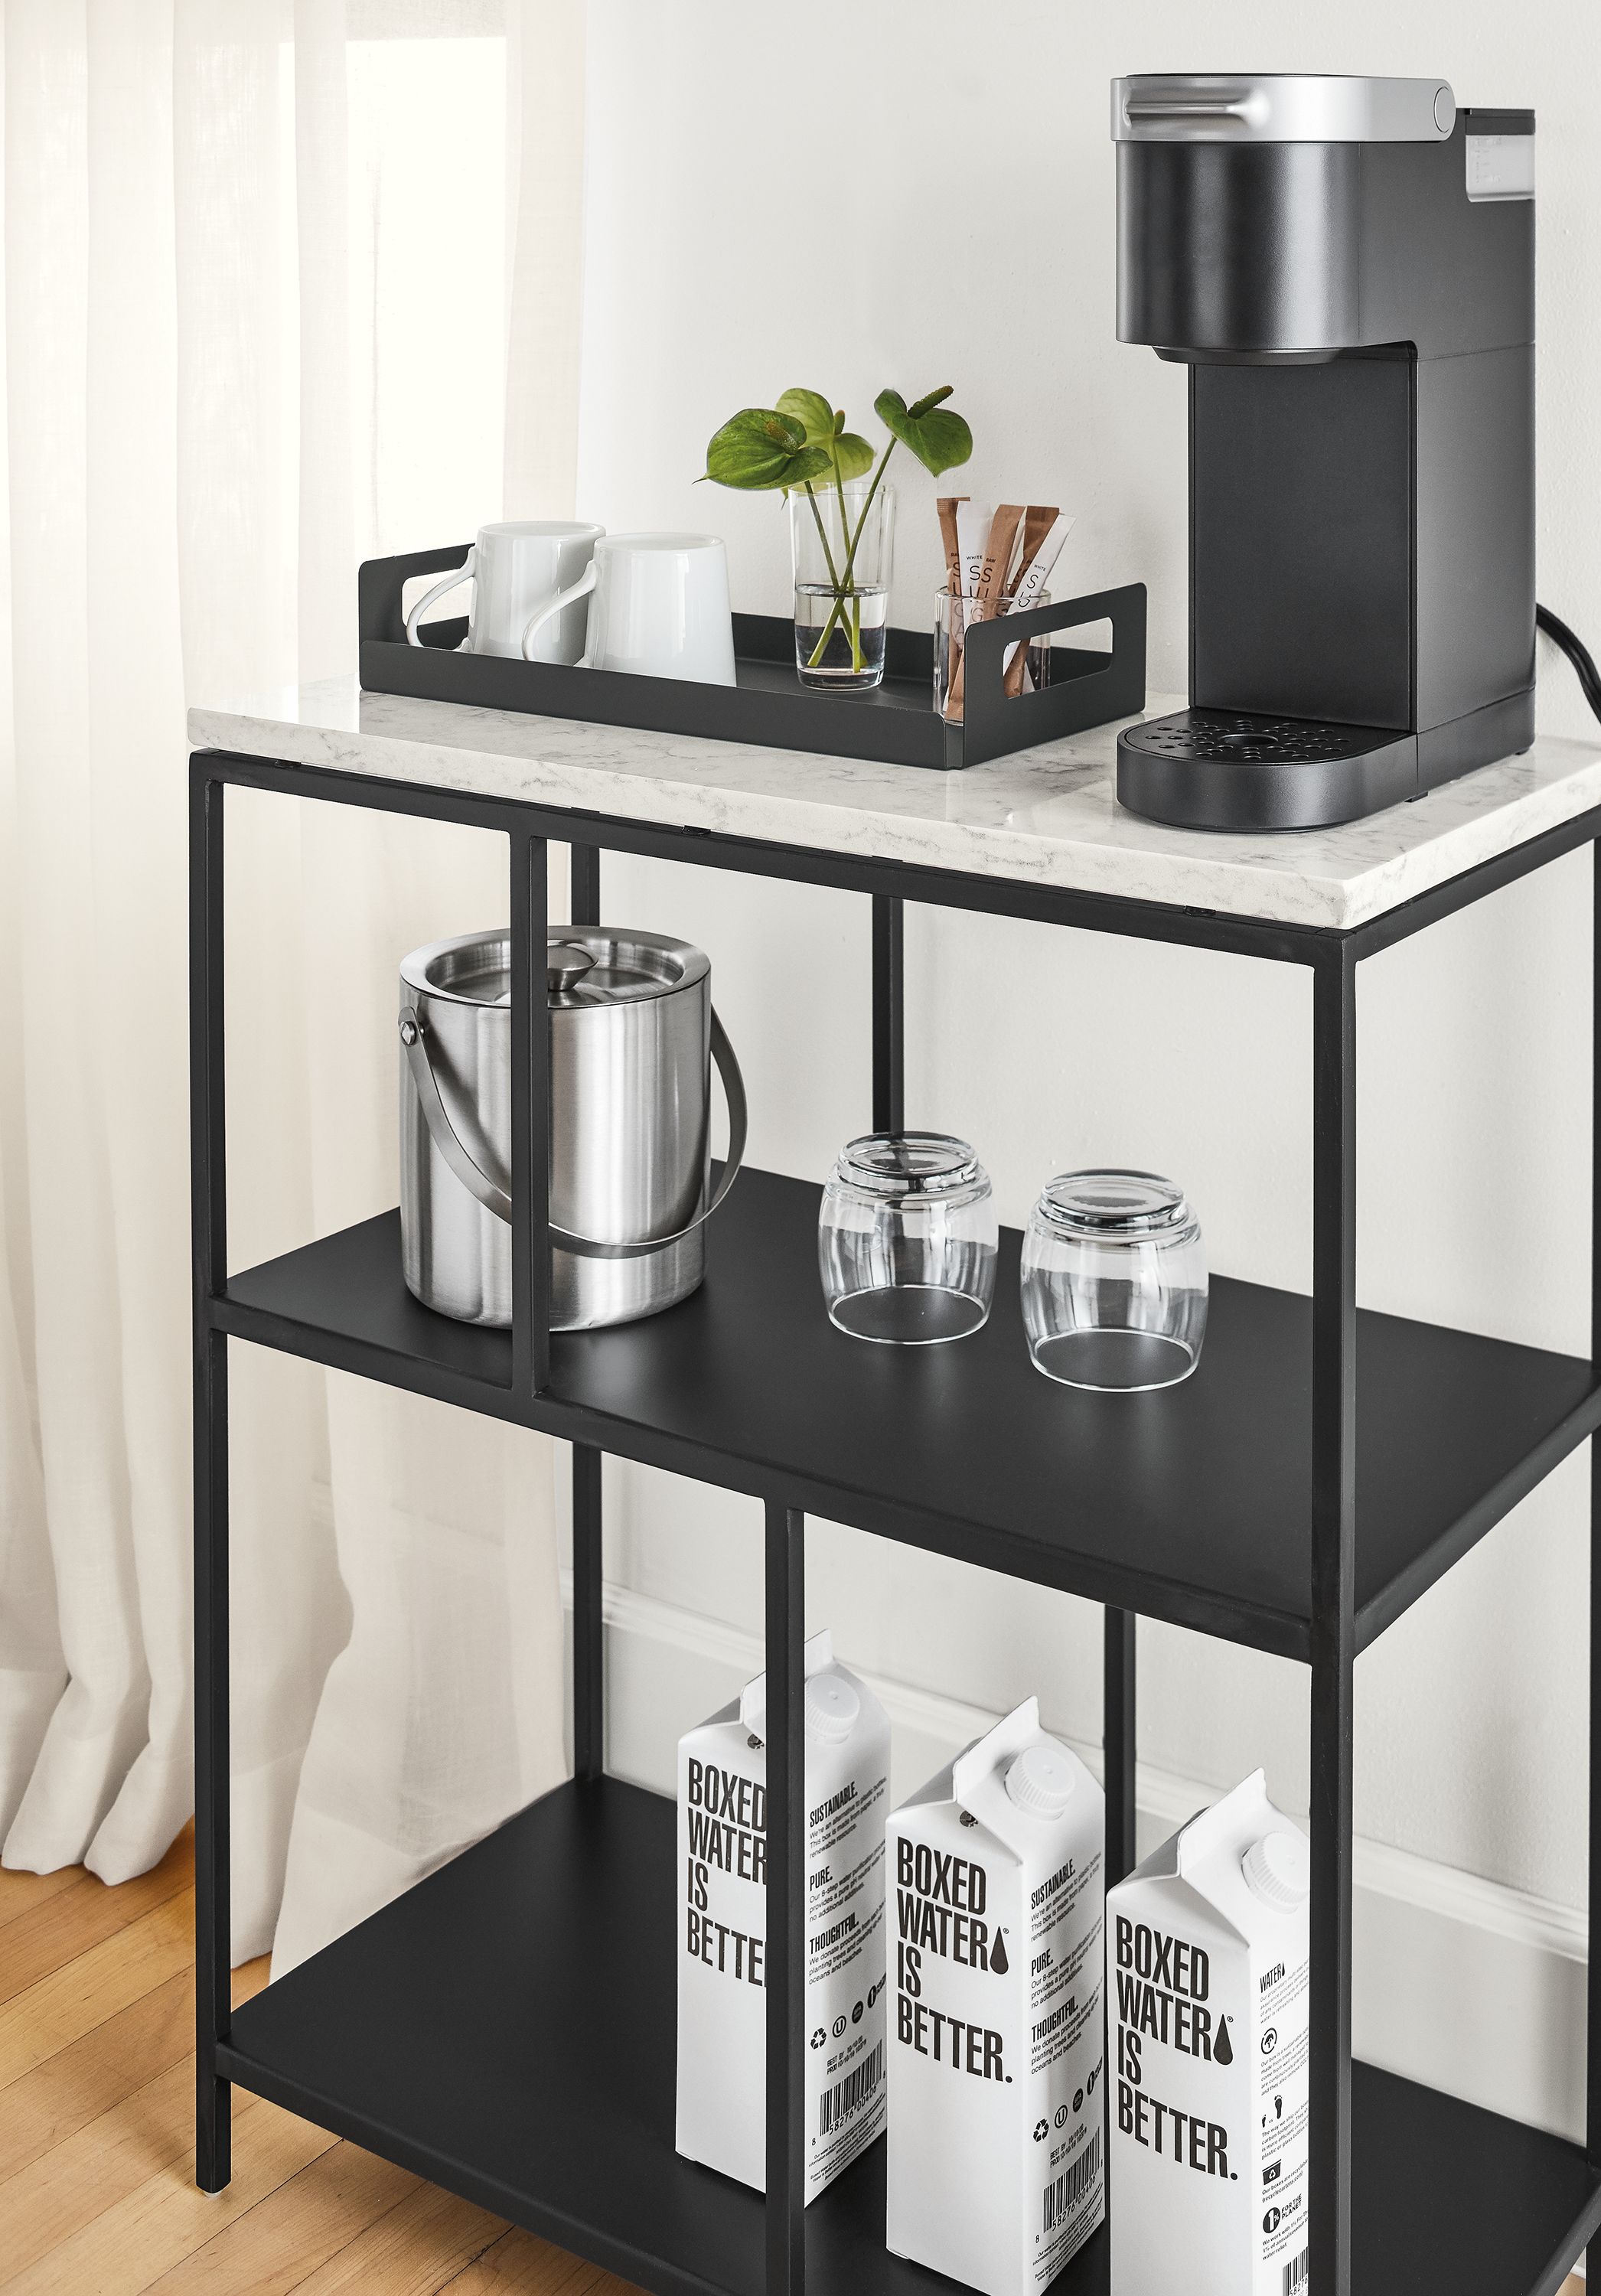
(818,2037)
(1041,2131)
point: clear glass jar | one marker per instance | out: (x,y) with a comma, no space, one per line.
(1114,1282)
(953,615)
(907,1238)
(842,545)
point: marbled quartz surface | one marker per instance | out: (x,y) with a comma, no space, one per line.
(1044,816)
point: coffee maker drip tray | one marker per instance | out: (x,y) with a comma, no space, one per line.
(1228,769)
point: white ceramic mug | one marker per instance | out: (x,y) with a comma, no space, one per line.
(516,569)
(660,607)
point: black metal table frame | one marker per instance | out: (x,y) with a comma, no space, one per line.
(1332,956)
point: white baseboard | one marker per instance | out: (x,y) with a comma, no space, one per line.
(1465,1984)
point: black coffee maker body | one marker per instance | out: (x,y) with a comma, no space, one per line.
(1347,268)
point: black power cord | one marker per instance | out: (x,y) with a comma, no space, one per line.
(1577,652)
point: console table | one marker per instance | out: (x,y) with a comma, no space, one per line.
(506,2027)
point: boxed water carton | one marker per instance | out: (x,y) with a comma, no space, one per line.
(1207,1966)
(722,1927)
(995,2165)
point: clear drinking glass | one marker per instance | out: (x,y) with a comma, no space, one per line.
(1114,1282)
(843,548)
(952,616)
(907,1238)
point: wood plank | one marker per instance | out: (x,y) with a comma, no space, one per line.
(164,2218)
(414,2250)
(64,1926)
(57,2009)
(21,1892)
(273,2248)
(79,2083)
(519,2265)
(104,2065)
(147,2134)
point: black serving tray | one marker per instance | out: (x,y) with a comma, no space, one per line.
(895,722)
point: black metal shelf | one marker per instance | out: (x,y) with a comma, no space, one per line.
(506,2029)
(1193,1506)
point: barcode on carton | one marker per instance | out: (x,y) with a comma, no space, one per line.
(1295,2273)
(840,2102)
(1064,2195)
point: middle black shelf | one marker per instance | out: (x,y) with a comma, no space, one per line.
(1191,1505)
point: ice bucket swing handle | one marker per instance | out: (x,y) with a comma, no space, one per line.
(495,1199)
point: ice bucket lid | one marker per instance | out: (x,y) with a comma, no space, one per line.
(586,965)
(1280,108)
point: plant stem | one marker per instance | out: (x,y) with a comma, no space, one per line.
(856,603)
(862,520)
(844,586)
(823,534)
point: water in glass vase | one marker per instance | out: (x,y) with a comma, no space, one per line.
(839,640)
(843,543)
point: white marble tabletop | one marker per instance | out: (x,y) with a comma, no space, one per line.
(1043,817)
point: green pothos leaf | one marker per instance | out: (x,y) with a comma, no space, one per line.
(939,438)
(760,447)
(812,412)
(825,427)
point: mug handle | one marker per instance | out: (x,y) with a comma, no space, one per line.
(553,605)
(463,573)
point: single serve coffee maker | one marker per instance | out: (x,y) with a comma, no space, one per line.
(1346,266)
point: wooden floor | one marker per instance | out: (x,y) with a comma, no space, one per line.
(96,2140)
(96,2135)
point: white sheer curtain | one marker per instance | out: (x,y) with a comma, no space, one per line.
(284,284)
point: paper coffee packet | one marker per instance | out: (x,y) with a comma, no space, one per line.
(1207,1967)
(995,2042)
(722,1927)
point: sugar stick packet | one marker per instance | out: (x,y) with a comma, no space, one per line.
(974,521)
(1038,522)
(1034,572)
(997,552)
(947,506)
(989,588)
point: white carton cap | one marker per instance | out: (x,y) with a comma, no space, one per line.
(1278,1870)
(1041,1780)
(833,1708)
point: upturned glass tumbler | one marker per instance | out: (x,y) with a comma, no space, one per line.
(907,1238)
(1114,1285)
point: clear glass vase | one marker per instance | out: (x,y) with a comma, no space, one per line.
(842,542)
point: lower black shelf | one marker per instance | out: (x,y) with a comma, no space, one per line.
(506,2030)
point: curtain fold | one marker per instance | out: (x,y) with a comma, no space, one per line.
(183,434)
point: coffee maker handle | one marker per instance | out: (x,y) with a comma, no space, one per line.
(463,573)
(495,1199)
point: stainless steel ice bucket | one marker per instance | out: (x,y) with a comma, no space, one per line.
(632,1037)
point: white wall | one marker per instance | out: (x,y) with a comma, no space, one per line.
(930,199)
